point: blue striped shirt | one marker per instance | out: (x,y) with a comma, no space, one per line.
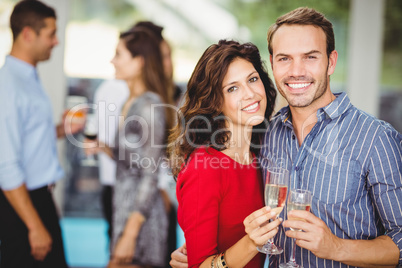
(28,152)
(352,163)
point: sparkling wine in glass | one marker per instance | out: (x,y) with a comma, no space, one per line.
(276,187)
(298,200)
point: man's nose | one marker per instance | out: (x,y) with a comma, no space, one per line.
(56,41)
(297,68)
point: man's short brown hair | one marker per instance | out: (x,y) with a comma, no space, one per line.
(304,16)
(31,13)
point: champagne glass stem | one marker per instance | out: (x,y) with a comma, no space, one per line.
(293,257)
(270,247)
(271,240)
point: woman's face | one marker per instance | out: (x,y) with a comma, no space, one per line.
(244,95)
(127,67)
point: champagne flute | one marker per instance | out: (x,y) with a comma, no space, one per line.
(276,188)
(91,133)
(298,200)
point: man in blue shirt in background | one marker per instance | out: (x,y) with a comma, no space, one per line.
(29,227)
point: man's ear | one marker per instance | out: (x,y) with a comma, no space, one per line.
(333,58)
(28,34)
(270,59)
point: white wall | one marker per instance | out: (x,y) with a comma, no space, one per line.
(365,54)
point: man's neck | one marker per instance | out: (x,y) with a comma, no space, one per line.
(304,118)
(22,55)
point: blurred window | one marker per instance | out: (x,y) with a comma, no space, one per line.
(391,78)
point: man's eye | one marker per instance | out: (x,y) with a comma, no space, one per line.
(283,59)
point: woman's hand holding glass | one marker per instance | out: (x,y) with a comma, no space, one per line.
(257,227)
(276,188)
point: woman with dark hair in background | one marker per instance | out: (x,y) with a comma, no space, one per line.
(140,220)
(213,153)
(115,92)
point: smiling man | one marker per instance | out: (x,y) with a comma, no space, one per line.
(349,160)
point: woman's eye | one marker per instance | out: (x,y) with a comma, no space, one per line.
(253,79)
(232,89)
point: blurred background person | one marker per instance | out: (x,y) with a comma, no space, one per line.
(166,181)
(140,220)
(30,233)
(110,97)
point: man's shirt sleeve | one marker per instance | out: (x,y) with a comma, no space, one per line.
(11,131)
(385,177)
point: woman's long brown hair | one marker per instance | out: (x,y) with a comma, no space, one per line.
(200,121)
(142,42)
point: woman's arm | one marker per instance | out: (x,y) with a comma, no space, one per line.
(245,249)
(125,247)
(139,149)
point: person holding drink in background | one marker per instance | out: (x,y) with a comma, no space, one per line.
(350,161)
(213,153)
(30,232)
(110,97)
(140,221)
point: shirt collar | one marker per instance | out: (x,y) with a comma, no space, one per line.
(21,67)
(284,113)
(336,108)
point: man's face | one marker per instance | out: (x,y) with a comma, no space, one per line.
(44,42)
(300,64)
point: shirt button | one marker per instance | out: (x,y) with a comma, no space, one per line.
(297,168)
(293,137)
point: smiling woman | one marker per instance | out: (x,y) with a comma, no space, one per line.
(244,96)
(228,102)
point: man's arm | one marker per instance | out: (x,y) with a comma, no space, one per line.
(384,169)
(366,253)
(318,238)
(39,238)
(13,133)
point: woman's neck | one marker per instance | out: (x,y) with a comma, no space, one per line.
(137,88)
(239,144)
